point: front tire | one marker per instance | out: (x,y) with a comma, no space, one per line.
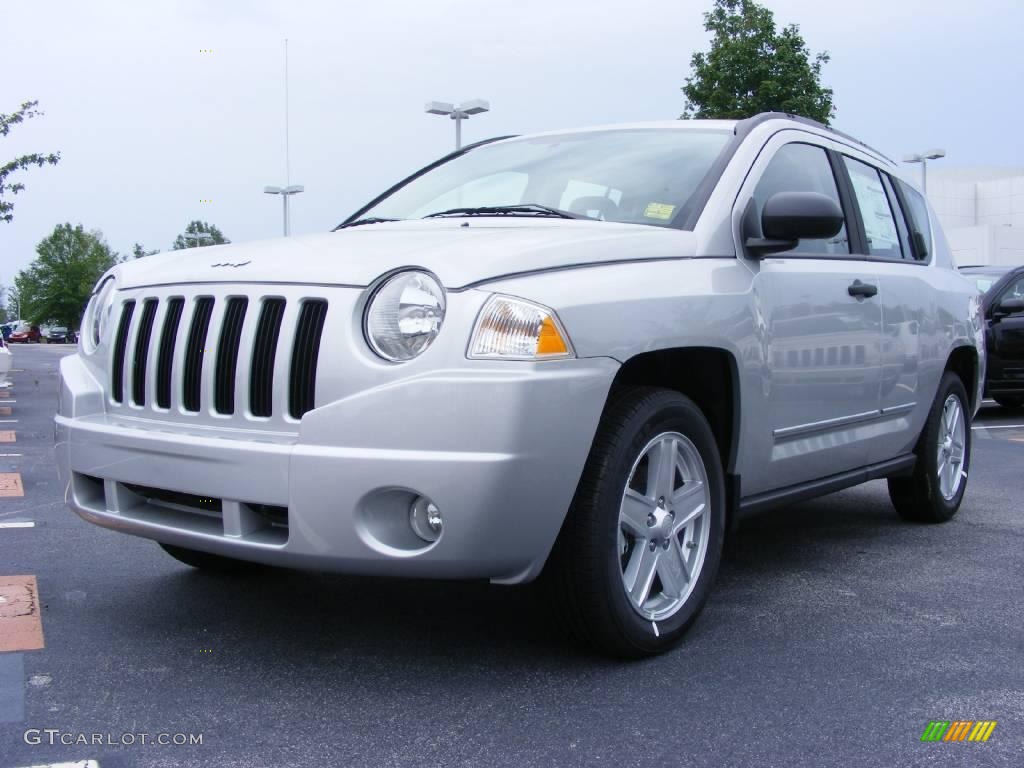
(934,492)
(641,545)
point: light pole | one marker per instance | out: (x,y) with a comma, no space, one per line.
(288,189)
(198,237)
(285,193)
(923,158)
(458,114)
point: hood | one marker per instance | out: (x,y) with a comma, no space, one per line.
(460,251)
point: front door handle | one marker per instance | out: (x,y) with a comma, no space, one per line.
(862,290)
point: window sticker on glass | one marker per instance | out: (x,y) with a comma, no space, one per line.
(883,240)
(659,211)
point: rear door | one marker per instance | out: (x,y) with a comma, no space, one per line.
(820,362)
(897,262)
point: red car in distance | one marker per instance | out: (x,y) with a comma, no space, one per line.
(25,334)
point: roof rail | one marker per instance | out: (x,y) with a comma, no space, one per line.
(743,127)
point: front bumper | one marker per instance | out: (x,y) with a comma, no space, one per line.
(499,448)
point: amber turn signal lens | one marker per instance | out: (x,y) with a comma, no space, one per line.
(550,341)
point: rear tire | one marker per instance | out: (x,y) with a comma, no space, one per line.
(930,495)
(206,561)
(632,522)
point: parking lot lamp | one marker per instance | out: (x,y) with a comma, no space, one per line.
(458,114)
(923,158)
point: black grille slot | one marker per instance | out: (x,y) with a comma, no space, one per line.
(165,356)
(177,498)
(261,374)
(193,376)
(120,344)
(302,377)
(142,351)
(227,355)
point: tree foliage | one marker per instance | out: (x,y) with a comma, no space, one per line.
(139,251)
(26,111)
(56,286)
(751,68)
(216,237)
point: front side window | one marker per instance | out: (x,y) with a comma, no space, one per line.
(642,176)
(802,168)
(875,210)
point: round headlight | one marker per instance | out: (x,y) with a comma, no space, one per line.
(405,315)
(97,314)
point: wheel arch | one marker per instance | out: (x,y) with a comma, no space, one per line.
(710,377)
(963,361)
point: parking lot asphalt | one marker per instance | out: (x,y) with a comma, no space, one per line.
(835,634)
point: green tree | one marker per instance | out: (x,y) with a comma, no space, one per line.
(139,251)
(753,68)
(56,286)
(215,236)
(26,111)
(13,304)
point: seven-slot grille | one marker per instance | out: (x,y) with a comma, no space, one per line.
(163,324)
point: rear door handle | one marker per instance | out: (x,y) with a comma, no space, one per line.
(862,290)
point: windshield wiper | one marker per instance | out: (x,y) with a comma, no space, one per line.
(368,220)
(522,209)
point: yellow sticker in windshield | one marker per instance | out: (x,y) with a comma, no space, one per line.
(659,211)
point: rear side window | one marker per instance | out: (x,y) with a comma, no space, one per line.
(916,211)
(802,168)
(875,210)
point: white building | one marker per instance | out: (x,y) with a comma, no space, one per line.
(982,212)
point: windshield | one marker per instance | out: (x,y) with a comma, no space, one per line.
(642,176)
(984,282)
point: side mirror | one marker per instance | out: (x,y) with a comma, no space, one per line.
(1008,307)
(789,217)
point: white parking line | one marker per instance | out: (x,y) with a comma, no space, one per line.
(8,421)
(8,401)
(78,764)
(19,524)
(1001,426)
(10,454)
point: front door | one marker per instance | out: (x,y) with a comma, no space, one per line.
(821,336)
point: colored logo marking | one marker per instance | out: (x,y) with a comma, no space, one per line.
(958,730)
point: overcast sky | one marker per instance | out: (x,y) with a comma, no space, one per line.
(148,126)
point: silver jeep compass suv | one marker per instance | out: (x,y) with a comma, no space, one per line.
(583,353)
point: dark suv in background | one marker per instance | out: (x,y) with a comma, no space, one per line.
(1003,306)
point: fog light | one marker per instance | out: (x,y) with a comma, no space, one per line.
(425,519)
